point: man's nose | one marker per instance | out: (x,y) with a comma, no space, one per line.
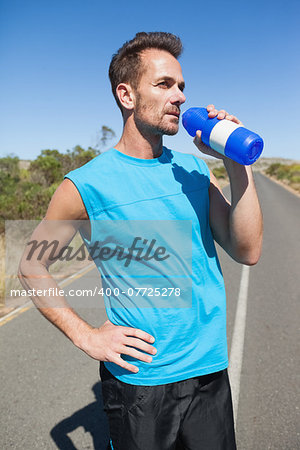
(178,97)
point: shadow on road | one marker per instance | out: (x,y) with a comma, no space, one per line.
(92,418)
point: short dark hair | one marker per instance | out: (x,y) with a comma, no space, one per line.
(126,66)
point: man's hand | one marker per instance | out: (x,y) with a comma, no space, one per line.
(108,342)
(220,114)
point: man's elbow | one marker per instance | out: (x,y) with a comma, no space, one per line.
(22,270)
(25,270)
(249,257)
(251,260)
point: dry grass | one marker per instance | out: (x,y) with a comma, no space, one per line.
(2,271)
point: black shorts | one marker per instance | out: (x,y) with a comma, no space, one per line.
(193,414)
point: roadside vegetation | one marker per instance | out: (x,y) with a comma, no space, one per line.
(25,193)
(26,188)
(283,170)
(287,173)
(220,173)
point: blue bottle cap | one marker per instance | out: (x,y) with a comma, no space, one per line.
(244,146)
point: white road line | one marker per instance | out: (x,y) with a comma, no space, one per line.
(62,283)
(15,311)
(238,338)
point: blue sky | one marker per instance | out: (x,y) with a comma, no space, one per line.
(242,56)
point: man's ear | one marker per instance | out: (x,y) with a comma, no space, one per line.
(126,95)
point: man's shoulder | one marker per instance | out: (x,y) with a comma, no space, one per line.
(91,167)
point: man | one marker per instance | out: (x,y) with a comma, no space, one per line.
(175,394)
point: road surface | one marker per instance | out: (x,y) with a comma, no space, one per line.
(51,396)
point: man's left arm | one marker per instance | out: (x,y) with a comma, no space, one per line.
(236,226)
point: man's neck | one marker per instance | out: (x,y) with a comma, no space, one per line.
(137,144)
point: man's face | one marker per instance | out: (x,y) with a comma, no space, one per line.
(160,93)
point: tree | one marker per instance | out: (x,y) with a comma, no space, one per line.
(104,135)
(47,168)
(10,166)
(78,157)
(9,174)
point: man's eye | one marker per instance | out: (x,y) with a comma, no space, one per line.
(163,83)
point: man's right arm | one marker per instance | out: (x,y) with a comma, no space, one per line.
(64,216)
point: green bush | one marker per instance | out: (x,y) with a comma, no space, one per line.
(288,173)
(220,172)
(273,168)
(25,194)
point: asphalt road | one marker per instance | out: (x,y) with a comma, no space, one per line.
(51,396)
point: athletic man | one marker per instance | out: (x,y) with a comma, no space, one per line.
(163,350)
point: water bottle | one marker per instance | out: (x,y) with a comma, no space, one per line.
(224,136)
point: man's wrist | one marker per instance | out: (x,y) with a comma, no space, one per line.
(235,169)
(231,165)
(82,336)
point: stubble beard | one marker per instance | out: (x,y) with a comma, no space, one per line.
(142,111)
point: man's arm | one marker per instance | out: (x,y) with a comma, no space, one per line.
(64,216)
(236,226)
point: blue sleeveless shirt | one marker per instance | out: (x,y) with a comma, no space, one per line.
(153,246)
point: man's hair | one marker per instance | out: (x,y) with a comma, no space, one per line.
(126,65)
